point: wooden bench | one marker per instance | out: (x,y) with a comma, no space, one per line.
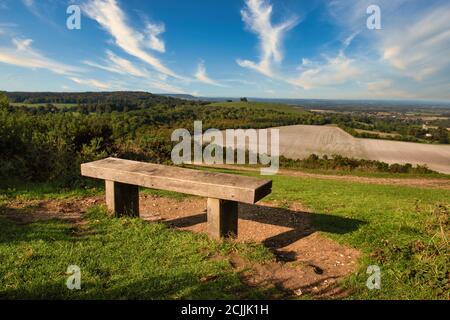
(224,191)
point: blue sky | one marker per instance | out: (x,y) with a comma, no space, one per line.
(256,48)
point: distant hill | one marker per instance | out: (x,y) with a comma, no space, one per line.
(347,105)
(86,97)
(87,102)
(179,96)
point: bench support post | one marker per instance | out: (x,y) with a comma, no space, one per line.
(222,218)
(122,199)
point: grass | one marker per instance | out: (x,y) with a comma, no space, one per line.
(401,229)
(118,258)
(45,191)
(368,174)
(400,232)
(355,173)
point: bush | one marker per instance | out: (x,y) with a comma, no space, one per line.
(4,103)
(340,163)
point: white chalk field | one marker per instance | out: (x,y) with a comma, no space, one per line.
(300,141)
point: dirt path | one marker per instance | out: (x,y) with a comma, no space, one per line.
(306,262)
(410,182)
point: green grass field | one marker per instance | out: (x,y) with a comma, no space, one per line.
(401,229)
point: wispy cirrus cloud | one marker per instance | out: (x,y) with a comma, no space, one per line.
(154,41)
(332,72)
(91,83)
(413,47)
(116,64)
(422,48)
(203,77)
(23,55)
(257,16)
(41,10)
(28,3)
(166,87)
(114,20)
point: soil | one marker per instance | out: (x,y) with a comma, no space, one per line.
(306,262)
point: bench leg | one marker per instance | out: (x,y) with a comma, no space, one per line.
(222,218)
(122,199)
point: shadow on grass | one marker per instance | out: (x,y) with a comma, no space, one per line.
(182,286)
(51,230)
(32,224)
(301,224)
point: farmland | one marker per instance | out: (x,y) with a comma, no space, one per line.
(300,141)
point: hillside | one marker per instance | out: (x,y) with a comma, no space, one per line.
(85,97)
(300,141)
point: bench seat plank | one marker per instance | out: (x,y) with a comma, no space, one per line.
(188,181)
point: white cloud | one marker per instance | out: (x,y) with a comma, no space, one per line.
(119,65)
(91,83)
(421,48)
(166,88)
(111,17)
(379,85)
(334,71)
(28,3)
(23,55)
(352,15)
(257,16)
(412,47)
(203,77)
(155,43)
(22,44)
(41,10)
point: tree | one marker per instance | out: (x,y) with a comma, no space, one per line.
(443,135)
(244,99)
(4,102)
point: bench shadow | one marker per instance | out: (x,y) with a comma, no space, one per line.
(300,223)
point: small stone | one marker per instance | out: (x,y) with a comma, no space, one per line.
(298,292)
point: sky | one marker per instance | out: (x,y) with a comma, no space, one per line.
(321,49)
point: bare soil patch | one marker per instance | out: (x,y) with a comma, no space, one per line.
(29,211)
(306,261)
(67,210)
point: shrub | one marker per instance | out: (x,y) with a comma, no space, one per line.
(338,162)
